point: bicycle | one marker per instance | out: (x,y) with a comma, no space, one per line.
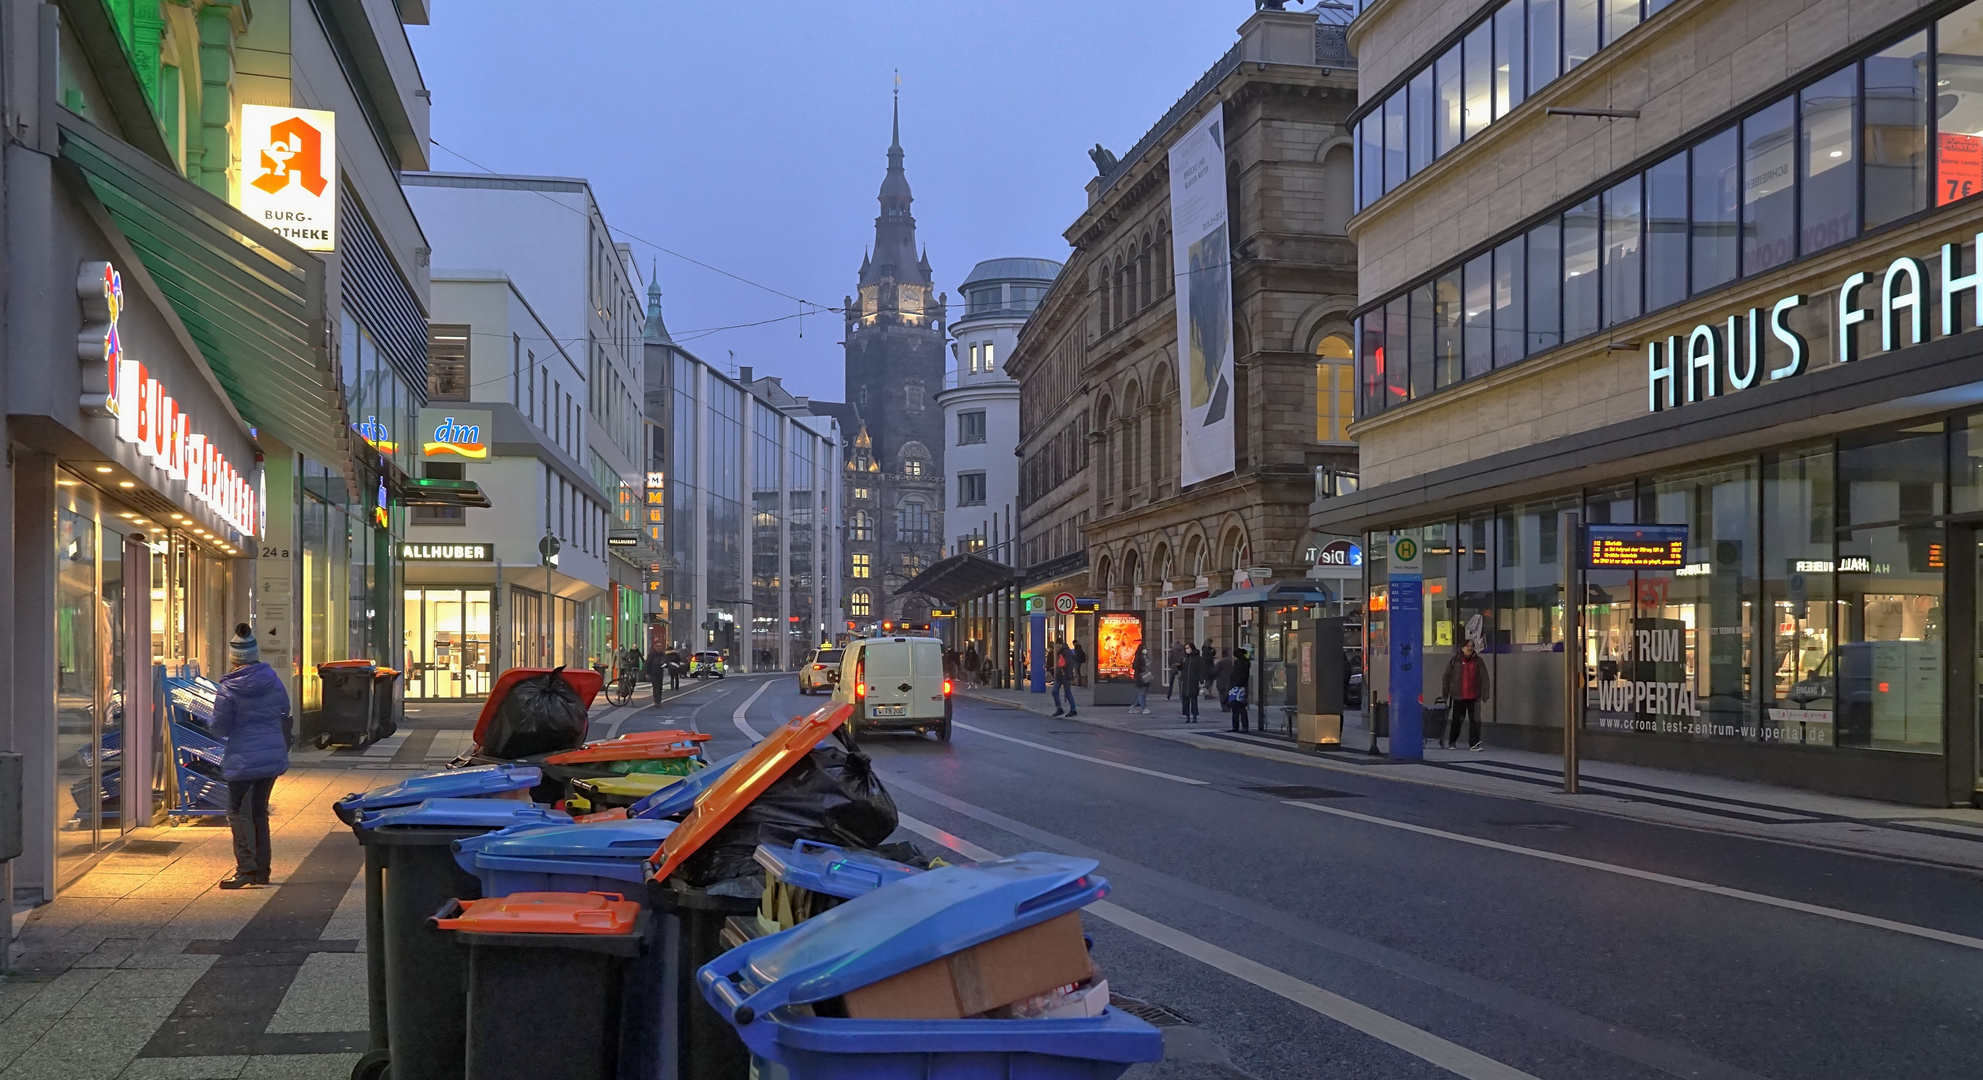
(620,690)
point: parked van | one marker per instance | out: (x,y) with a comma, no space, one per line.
(896,684)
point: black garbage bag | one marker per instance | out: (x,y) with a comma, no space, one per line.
(831,795)
(540,715)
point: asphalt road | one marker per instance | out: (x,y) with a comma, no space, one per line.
(1365,927)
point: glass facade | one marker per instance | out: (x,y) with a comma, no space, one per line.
(1813,608)
(767,538)
(1798,174)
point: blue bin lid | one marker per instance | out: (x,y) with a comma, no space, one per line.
(679,798)
(835,871)
(449,784)
(906,924)
(464,814)
(599,841)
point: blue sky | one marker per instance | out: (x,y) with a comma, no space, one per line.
(753,136)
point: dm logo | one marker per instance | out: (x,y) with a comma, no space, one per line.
(1405,548)
(295,153)
(462,440)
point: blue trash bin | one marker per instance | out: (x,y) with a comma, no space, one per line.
(679,798)
(810,877)
(901,926)
(425,970)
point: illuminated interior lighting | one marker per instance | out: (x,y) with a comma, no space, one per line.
(126,484)
(103,468)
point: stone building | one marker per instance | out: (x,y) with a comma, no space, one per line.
(893,493)
(1102,512)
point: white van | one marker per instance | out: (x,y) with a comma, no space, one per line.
(896,684)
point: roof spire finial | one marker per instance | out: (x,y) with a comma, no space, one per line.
(895,144)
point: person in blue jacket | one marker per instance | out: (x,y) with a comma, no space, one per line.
(251,715)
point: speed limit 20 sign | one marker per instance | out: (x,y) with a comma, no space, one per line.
(1064,603)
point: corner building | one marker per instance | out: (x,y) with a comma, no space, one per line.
(1743,300)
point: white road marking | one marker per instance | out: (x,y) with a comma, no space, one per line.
(618,716)
(1928,932)
(1415,1041)
(737,717)
(387,746)
(1084,757)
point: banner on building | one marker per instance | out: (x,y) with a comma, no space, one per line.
(1201,259)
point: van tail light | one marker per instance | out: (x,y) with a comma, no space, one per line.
(946,688)
(860,689)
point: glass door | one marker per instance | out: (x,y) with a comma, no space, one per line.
(448,636)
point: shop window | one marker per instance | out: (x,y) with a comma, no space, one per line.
(1510,300)
(1580,262)
(1622,225)
(1666,232)
(1478,333)
(1799,598)
(1828,161)
(1959,105)
(1886,675)
(1699,632)
(1545,264)
(1715,231)
(1895,132)
(1769,210)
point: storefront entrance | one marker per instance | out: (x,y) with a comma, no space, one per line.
(448,633)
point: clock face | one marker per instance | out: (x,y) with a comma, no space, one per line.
(911,299)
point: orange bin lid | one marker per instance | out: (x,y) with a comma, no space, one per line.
(546,913)
(643,744)
(587,682)
(758,769)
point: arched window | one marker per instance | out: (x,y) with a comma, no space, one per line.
(1143,273)
(861,527)
(1338,191)
(1335,388)
(1102,297)
(1105,441)
(860,604)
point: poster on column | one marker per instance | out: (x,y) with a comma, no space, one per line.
(1201,262)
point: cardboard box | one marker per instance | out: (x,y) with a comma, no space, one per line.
(997,972)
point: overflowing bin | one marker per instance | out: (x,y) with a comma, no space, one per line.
(678,799)
(566,962)
(902,982)
(602,794)
(809,878)
(425,970)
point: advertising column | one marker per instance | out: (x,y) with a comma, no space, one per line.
(1407,603)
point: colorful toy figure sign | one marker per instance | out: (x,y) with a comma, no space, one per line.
(455,433)
(289,173)
(123,388)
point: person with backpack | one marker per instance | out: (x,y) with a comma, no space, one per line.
(1139,671)
(251,716)
(1237,677)
(1063,679)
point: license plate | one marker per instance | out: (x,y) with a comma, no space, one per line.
(888,710)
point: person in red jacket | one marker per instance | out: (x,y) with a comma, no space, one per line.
(1464,688)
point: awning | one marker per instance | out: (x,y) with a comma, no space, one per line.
(959,578)
(1184,598)
(1273,594)
(430,492)
(252,301)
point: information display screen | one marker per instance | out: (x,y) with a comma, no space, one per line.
(1635,547)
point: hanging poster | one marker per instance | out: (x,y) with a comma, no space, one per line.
(1201,257)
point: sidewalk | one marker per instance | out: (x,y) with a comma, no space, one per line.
(1943,836)
(143,970)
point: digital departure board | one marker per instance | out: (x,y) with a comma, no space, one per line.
(1635,547)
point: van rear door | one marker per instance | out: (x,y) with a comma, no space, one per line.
(891,680)
(927,663)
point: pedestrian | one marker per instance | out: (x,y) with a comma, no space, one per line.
(1063,679)
(657,672)
(971,661)
(630,662)
(1139,671)
(1189,674)
(1173,664)
(1080,664)
(1464,688)
(1221,671)
(1237,677)
(250,715)
(675,668)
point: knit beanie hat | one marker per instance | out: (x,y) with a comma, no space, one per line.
(243,648)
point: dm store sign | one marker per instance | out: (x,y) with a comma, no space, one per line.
(455,433)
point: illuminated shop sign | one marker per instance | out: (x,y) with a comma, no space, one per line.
(455,433)
(1635,547)
(447,552)
(1714,359)
(377,435)
(146,415)
(289,173)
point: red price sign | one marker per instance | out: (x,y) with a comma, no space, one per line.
(1958,167)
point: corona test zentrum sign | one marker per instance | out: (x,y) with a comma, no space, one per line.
(289,173)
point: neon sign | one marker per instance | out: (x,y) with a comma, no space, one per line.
(101,288)
(379,517)
(151,419)
(462,440)
(378,435)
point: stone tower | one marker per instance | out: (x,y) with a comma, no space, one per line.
(895,367)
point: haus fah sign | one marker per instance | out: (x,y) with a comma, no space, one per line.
(145,415)
(1760,345)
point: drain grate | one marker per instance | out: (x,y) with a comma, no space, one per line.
(150,847)
(1155,1015)
(1303,791)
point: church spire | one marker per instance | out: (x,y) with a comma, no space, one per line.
(895,229)
(656,331)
